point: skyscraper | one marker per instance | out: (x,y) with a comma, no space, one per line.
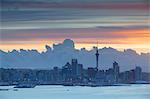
(116,68)
(76,68)
(116,71)
(138,73)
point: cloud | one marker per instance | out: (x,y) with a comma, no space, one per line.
(97,33)
(61,53)
(94,4)
(66,45)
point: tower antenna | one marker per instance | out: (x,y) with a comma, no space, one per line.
(97,44)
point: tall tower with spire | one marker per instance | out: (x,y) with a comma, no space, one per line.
(97,57)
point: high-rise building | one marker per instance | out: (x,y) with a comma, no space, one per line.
(116,71)
(74,64)
(72,71)
(76,68)
(79,70)
(116,68)
(56,74)
(67,72)
(131,76)
(138,73)
(91,72)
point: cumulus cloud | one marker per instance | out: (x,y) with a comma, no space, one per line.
(61,53)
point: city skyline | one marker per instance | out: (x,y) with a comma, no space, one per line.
(73,74)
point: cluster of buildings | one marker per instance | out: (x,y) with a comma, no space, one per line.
(73,73)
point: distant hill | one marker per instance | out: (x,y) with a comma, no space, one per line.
(61,53)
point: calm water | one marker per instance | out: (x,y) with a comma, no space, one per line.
(61,92)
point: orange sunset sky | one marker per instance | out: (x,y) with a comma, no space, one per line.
(118,24)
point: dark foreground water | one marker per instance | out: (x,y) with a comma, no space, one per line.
(77,92)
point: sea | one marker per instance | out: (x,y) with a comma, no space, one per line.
(134,91)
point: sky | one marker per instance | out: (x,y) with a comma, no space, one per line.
(120,24)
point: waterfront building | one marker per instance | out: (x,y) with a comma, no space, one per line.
(138,73)
(116,71)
